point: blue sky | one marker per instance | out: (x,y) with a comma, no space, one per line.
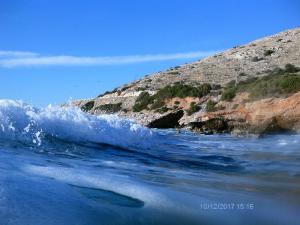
(54,50)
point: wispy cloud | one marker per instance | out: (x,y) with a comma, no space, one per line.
(16,54)
(10,59)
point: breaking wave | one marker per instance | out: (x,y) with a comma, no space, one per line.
(22,122)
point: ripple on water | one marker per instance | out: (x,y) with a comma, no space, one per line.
(110,197)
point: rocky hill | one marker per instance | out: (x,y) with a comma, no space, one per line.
(238,89)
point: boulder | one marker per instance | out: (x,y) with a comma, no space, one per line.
(169,120)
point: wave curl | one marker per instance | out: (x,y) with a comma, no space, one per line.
(22,122)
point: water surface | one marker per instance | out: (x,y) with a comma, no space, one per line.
(62,166)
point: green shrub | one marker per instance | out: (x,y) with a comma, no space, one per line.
(211,106)
(110,108)
(279,81)
(174,72)
(290,83)
(228,94)
(88,106)
(158,103)
(171,91)
(204,89)
(193,108)
(142,101)
(231,83)
(177,102)
(141,89)
(271,85)
(289,68)
(162,109)
(125,88)
(182,91)
(216,86)
(108,92)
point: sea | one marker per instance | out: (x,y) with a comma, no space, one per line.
(62,166)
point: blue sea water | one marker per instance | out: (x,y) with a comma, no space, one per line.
(62,166)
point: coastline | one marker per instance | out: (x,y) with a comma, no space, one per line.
(249,89)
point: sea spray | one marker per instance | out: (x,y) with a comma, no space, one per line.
(22,122)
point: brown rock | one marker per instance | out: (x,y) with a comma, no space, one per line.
(262,116)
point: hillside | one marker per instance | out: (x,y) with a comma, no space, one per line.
(265,70)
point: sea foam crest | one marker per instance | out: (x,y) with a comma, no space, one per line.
(20,121)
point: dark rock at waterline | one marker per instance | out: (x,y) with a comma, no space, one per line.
(170,120)
(212,126)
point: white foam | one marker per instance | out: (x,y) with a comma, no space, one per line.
(24,122)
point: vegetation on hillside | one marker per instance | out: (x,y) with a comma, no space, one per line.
(211,106)
(156,101)
(278,82)
(162,110)
(88,106)
(142,101)
(193,108)
(228,93)
(110,108)
(183,90)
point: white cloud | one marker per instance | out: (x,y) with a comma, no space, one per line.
(15,59)
(16,54)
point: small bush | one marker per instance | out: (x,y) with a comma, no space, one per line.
(141,88)
(142,101)
(216,86)
(182,91)
(204,89)
(158,103)
(290,68)
(110,108)
(231,83)
(290,83)
(228,94)
(108,92)
(162,109)
(88,106)
(193,108)
(174,72)
(125,88)
(211,106)
(177,102)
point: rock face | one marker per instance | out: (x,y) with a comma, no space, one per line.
(238,64)
(170,120)
(262,116)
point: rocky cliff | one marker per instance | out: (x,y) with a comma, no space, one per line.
(251,88)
